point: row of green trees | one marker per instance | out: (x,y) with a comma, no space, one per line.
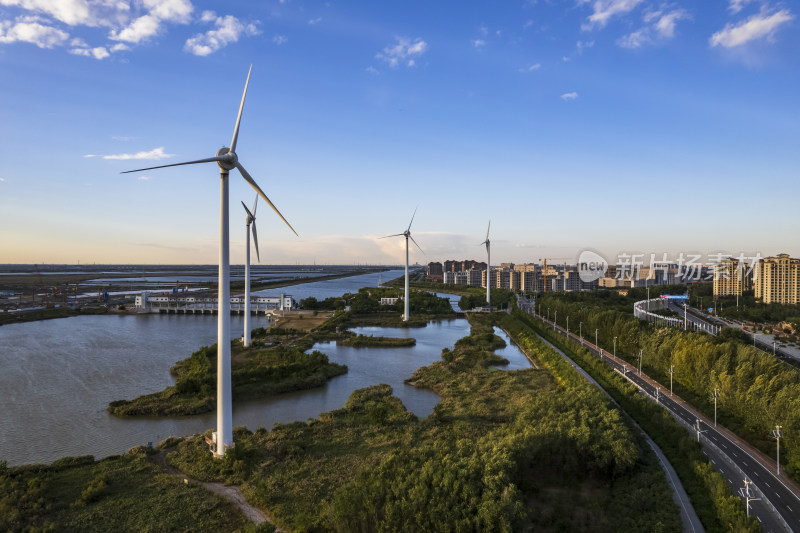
(716,506)
(755,390)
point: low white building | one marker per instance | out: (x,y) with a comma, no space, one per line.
(184,303)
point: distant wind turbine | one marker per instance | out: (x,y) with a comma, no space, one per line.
(227,160)
(487,242)
(407,235)
(251,221)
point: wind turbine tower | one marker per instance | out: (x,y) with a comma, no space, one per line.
(488,243)
(407,235)
(250,221)
(227,160)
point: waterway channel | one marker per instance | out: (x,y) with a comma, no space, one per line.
(58,376)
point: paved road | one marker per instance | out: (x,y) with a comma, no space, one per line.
(691,522)
(779,507)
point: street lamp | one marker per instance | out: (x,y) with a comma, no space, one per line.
(580,331)
(615,347)
(671,371)
(773,348)
(716,395)
(548,314)
(697,428)
(555,319)
(568,326)
(747,494)
(640,362)
(777,433)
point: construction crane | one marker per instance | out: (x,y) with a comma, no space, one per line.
(544,267)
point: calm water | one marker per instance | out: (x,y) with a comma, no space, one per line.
(58,376)
(516,359)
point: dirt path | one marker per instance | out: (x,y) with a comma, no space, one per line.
(231,492)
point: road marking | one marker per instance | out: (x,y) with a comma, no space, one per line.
(757,518)
(790,509)
(767,484)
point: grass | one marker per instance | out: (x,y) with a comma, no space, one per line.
(121,493)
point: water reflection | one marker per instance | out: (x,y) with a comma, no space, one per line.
(516,359)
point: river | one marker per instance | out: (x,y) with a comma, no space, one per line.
(58,377)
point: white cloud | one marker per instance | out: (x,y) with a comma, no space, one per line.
(144,178)
(635,39)
(280,39)
(2,180)
(119,47)
(70,12)
(403,51)
(569,96)
(737,5)
(477,43)
(660,26)
(372,70)
(228,30)
(528,24)
(98,53)
(756,27)
(530,68)
(605,9)
(137,31)
(30,30)
(665,25)
(170,10)
(154,154)
(315,21)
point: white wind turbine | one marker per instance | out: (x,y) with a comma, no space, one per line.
(251,220)
(487,242)
(227,160)
(407,235)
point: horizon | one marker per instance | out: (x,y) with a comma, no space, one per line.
(624,127)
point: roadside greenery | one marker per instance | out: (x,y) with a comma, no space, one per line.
(756,391)
(716,506)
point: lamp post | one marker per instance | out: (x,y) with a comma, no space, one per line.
(580,331)
(773,348)
(568,326)
(685,318)
(615,347)
(548,314)
(640,362)
(747,494)
(555,319)
(671,371)
(777,433)
(716,395)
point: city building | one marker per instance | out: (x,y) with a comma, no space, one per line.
(730,278)
(435,272)
(777,280)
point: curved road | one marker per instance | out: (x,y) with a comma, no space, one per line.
(779,506)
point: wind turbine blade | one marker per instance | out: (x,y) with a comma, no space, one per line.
(255,206)
(249,214)
(253,184)
(412,218)
(255,240)
(207,160)
(395,235)
(239,117)
(418,246)
(487,231)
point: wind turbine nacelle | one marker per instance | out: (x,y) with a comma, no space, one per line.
(230,162)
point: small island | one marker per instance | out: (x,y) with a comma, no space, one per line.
(279,359)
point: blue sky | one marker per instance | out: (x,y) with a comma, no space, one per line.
(616,125)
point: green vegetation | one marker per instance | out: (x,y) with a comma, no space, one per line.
(52,312)
(255,373)
(516,450)
(716,506)
(120,493)
(756,391)
(369,341)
